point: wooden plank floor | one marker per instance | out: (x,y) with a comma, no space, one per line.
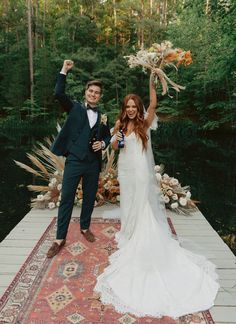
(194,231)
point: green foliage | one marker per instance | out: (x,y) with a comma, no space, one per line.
(97,34)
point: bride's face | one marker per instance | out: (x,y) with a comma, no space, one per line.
(131,109)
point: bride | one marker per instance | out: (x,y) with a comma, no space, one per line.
(150,274)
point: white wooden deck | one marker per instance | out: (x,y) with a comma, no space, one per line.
(195,228)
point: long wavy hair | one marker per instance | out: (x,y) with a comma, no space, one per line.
(139,121)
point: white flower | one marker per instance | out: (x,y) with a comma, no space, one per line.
(59,186)
(50,185)
(165,176)
(169,192)
(166,199)
(58,203)
(164,186)
(158,176)
(173,182)
(51,205)
(174,197)
(151,55)
(104,119)
(188,194)
(53,181)
(107,186)
(157,168)
(174,205)
(118,198)
(167,44)
(47,196)
(56,173)
(40,197)
(183,201)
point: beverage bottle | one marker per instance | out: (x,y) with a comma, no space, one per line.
(93,139)
(121,143)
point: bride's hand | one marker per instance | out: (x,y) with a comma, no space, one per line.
(119,136)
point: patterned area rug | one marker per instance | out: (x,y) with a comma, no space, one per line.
(60,290)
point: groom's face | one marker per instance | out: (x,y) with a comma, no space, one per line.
(93,95)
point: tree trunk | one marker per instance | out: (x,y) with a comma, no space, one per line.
(36,36)
(30,43)
(142,24)
(44,21)
(151,6)
(207,8)
(165,12)
(6,41)
(115,22)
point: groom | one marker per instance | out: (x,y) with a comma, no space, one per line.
(82,139)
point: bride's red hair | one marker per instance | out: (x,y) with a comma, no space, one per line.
(140,126)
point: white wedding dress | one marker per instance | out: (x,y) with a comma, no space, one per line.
(151,274)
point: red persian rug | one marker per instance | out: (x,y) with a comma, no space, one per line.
(60,290)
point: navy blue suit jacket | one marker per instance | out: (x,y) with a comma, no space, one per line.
(74,124)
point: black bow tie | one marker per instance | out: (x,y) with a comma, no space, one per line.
(92,108)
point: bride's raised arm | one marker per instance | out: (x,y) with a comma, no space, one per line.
(151,111)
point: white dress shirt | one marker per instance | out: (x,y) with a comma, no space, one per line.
(92,116)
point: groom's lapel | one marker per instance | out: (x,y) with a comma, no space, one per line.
(99,123)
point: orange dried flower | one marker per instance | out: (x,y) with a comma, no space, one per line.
(171,57)
(188,58)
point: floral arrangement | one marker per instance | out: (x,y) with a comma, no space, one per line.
(176,198)
(108,185)
(104,119)
(156,58)
(50,168)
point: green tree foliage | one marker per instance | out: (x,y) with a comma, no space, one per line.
(97,34)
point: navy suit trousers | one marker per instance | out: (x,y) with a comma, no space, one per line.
(76,169)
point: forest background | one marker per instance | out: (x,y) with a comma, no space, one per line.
(37,35)
(196,138)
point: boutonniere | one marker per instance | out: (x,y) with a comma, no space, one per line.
(104,119)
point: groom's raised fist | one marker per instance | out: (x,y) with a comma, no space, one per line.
(67,65)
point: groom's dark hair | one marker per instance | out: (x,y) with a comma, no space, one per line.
(97,83)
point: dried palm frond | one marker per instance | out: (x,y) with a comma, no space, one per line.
(38,188)
(53,159)
(39,204)
(230,240)
(162,167)
(58,128)
(28,169)
(36,161)
(110,161)
(48,141)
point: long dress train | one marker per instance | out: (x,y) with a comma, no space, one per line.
(151,274)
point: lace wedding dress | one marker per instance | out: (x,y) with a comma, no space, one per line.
(151,274)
